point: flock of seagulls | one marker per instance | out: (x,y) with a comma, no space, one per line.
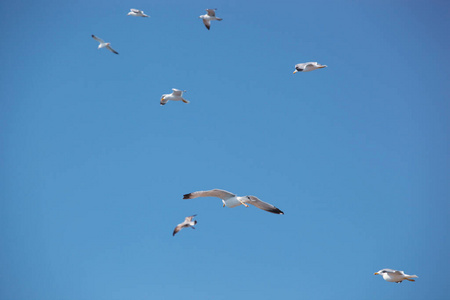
(229,199)
(207,18)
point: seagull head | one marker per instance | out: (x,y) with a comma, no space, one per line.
(381,272)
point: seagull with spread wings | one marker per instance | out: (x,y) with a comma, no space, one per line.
(187,223)
(231,200)
(136,13)
(209,16)
(104,45)
(395,276)
(176,95)
(309,66)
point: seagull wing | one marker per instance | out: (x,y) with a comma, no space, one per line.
(263,205)
(98,39)
(178,228)
(300,67)
(389,271)
(177,92)
(112,50)
(222,194)
(189,219)
(207,23)
(211,12)
(136,10)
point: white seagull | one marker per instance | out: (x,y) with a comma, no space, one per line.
(210,16)
(104,45)
(394,275)
(309,66)
(231,200)
(175,96)
(187,223)
(137,13)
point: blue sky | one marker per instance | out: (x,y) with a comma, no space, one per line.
(93,169)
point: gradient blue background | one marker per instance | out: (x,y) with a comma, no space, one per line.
(93,169)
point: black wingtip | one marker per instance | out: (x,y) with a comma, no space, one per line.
(187,196)
(277,211)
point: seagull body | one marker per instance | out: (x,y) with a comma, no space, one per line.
(175,96)
(137,13)
(209,16)
(104,45)
(395,276)
(187,223)
(231,200)
(309,66)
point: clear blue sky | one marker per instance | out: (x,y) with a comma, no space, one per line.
(93,169)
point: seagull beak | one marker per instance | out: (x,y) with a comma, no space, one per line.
(376,273)
(295,72)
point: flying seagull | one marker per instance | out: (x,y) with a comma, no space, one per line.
(210,16)
(309,66)
(395,276)
(231,200)
(187,223)
(104,45)
(137,13)
(175,96)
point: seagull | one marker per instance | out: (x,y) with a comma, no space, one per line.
(187,223)
(395,276)
(137,13)
(210,16)
(309,66)
(231,200)
(103,44)
(175,96)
